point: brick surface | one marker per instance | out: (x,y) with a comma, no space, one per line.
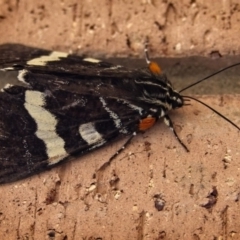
(116,28)
(154,189)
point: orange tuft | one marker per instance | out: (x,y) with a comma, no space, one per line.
(146,123)
(155,68)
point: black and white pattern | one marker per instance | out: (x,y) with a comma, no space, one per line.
(59,105)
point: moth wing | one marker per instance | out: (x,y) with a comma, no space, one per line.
(35,134)
(17,56)
(50,114)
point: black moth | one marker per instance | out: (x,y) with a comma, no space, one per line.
(63,105)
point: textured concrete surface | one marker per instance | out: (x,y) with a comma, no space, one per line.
(154,189)
(175,28)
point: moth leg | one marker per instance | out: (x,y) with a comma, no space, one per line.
(106,164)
(169,123)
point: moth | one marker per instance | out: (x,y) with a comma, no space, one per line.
(63,105)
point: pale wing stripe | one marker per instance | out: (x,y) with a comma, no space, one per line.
(92,60)
(132,106)
(21,75)
(90,134)
(46,126)
(43,60)
(117,121)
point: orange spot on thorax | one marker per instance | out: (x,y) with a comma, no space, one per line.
(155,68)
(146,123)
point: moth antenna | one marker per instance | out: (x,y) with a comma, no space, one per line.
(214,110)
(203,79)
(209,76)
(154,68)
(146,51)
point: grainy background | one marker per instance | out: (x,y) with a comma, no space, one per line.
(114,28)
(154,190)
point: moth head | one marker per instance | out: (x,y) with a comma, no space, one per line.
(172,97)
(177,100)
(156,89)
